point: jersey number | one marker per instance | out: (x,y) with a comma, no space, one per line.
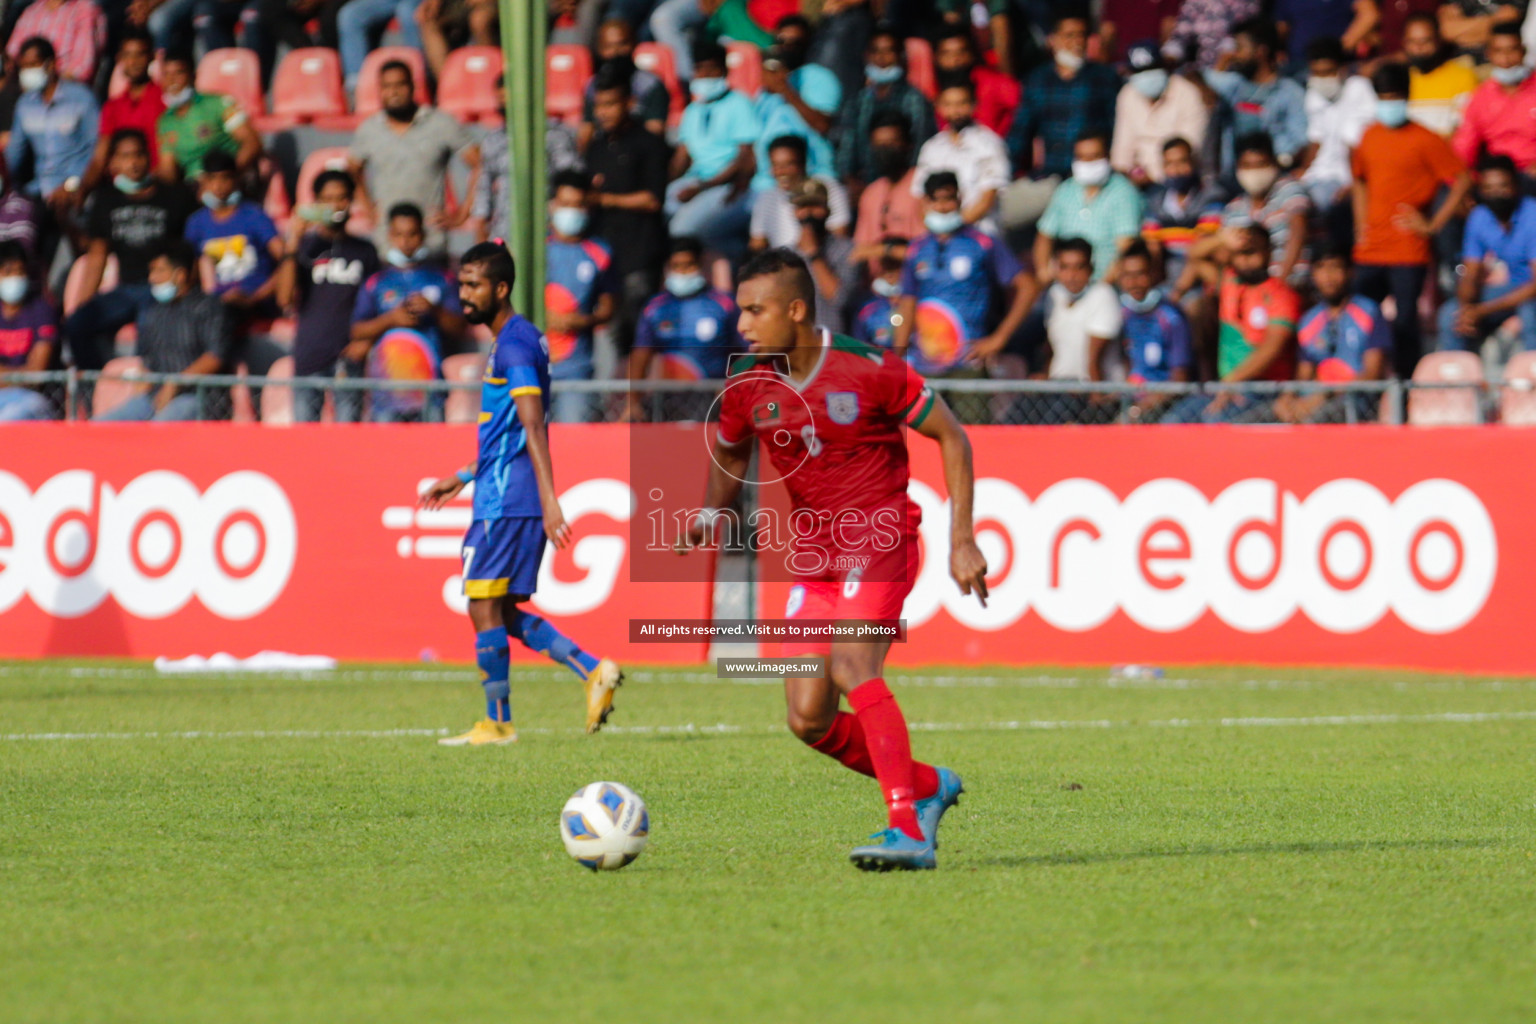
(812,442)
(469,556)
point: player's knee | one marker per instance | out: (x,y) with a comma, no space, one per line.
(808,726)
(850,668)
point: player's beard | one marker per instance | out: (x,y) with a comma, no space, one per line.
(475,315)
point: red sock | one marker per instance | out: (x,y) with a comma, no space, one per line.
(890,750)
(845,744)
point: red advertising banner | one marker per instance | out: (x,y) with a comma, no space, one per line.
(1327,545)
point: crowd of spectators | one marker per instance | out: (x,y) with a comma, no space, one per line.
(1139,191)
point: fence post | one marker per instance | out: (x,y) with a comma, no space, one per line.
(71,393)
(1395,400)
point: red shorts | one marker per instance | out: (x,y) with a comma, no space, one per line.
(876,591)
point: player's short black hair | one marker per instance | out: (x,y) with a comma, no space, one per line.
(123,135)
(1255,142)
(1071,12)
(708,50)
(1258,234)
(956,80)
(39,45)
(1062,246)
(1326,48)
(179,55)
(1427,17)
(180,254)
(220,162)
(611,78)
(1391,79)
(889,118)
(496,261)
(1507,28)
(410,210)
(1332,251)
(793,142)
(785,264)
(938,180)
(570,178)
(1089,134)
(1137,250)
(884,30)
(135,34)
(397,65)
(1261,31)
(799,21)
(12,251)
(326,177)
(1178,140)
(1497,162)
(952,33)
(688,244)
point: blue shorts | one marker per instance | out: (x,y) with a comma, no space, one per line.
(502,556)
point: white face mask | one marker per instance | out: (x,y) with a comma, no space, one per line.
(887,289)
(1069,61)
(1090,173)
(179,98)
(33,79)
(1258,181)
(1326,88)
(13,289)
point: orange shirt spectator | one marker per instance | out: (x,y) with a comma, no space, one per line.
(1400,167)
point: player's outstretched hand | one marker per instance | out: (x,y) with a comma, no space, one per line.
(969,569)
(441,493)
(555,527)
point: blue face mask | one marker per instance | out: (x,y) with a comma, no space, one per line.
(1147,304)
(402,260)
(943,223)
(1392,113)
(1151,82)
(883,76)
(684,285)
(569,221)
(214,203)
(886,288)
(165,291)
(13,289)
(129,185)
(707,89)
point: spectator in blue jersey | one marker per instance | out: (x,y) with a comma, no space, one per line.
(798,98)
(1498,251)
(1154,331)
(875,321)
(1342,338)
(406,312)
(948,288)
(710,197)
(578,291)
(689,325)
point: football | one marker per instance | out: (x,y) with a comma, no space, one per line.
(604,826)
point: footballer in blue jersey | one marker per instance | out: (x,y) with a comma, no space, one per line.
(516,510)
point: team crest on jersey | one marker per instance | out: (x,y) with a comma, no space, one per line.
(843,407)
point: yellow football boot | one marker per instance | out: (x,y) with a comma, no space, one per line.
(601,682)
(485,733)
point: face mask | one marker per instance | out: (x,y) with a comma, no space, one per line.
(1392,113)
(1502,207)
(214,203)
(883,76)
(707,90)
(1146,305)
(1090,173)
(163,292)
(1150,83)
(1326,88)
(960,124)
(1258,181)
(33,79)
(1181,183)
(684,285)
(889,162)
(178,99)
(1511,76)
(319,213)
(402,260)
(129,185)
(943,223)
(1072,296)
(569,221)
(13,289)
(1068,61)
(884,288)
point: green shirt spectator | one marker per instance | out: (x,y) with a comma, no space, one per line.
(190,132)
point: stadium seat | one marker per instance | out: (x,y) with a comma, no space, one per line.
(115,386)
(366,101)
(658,60)
(463,406)
(567,69)
(306,88)
(744,68)
(76,281)
(233,72)
(118,84)
(467,87)
(1517,397)
(276,399)
(920,67)
(1441,407)
(327,159)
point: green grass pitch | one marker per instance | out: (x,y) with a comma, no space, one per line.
(1225,845)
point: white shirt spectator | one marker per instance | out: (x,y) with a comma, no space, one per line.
(1070,326)
(773,215)
(1143,125)
(978,159)
(1336,129)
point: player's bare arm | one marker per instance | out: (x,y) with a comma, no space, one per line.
(530,410)
(727,469)
(446,489)
(966,564)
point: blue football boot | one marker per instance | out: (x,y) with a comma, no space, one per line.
(895,851)
(931,811)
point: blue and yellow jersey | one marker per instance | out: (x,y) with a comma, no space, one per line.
(518,365)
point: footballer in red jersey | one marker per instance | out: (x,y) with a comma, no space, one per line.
(831,413)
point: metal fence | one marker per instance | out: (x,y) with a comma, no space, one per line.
(280,401)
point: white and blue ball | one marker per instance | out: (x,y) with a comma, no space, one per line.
(604,826)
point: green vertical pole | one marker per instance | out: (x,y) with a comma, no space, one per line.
(522,43)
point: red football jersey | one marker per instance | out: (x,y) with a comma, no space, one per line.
(835,440)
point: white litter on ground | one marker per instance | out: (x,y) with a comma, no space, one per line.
(266,661)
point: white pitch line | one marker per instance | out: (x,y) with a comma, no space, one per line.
(1447,717)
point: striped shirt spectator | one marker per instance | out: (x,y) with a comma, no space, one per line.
(76,28)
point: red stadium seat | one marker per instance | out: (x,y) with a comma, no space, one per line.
(463,406)
(567,69)
(331,158)
(467,86)
(658,60)
(1441,407)
(920,67)
(744,68)
(1517,398)
(307,88)
(116,385)
(366,101)
(118,84)
(233,72)
(277,399)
